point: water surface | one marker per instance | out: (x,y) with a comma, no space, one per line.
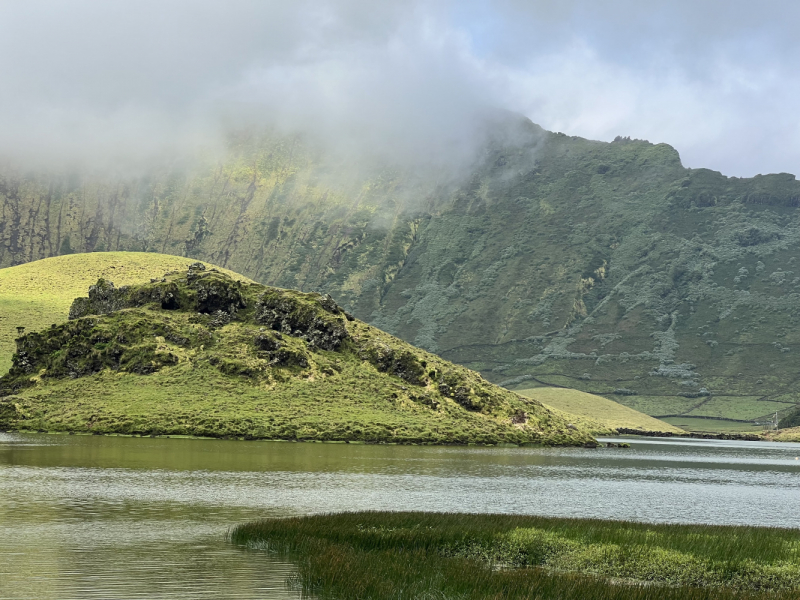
(112,517)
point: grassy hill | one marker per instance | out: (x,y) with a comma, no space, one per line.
(595,412)
(198,352)
(576,263)
(38,294)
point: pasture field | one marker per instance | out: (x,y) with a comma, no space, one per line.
(744,409)
(698,425)
(590,408)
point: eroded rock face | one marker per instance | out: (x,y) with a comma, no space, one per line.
(103,298)
(217,295)
(80,347)
(402,363)
(300,319)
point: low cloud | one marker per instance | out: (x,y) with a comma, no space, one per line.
(110,83)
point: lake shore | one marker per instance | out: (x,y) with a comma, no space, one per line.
(409,555)
(85,509)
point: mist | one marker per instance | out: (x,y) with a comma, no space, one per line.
(101,85)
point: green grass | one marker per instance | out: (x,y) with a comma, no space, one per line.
(197,369)
(697,425)
(587,408)
(660,405)
(744,409)
(721,412)
(37,294)
(381,555)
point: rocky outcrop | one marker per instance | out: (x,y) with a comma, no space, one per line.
(401,363)
(302,317)
(104,298)
(83,347)
(206,292)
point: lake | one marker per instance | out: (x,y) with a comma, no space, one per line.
(114,517)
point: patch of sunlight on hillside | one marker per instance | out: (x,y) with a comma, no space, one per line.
(589,407)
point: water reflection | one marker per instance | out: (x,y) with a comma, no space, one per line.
(105,517)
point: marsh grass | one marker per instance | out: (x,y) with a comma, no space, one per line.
(791,434)
(380,555)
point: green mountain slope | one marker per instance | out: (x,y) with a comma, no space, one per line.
(199,353)
(553,260)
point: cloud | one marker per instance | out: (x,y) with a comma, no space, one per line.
(116,81)
(124,81)
(715,78)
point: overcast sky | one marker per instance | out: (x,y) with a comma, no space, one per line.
(717,79)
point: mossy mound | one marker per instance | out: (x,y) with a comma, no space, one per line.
(39,293)
(200,353)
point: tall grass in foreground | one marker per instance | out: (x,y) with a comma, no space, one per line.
(384,555)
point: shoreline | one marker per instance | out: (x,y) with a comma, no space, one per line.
(623,432)
(743,437)
(306,441)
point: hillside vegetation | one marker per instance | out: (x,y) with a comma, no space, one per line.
(595,412)
(38,294)
(606,267)
(790,434)
(197,352)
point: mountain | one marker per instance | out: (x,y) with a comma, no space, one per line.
(551,260)
(198,352)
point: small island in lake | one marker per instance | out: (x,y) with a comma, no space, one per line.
(197,352)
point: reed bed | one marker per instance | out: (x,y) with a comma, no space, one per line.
(398,556)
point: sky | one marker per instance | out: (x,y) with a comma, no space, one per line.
(109,81)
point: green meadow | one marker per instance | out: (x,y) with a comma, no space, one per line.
(598,413)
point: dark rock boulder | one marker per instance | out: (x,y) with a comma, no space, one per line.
(103,298)
(267,343)
(215,293)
